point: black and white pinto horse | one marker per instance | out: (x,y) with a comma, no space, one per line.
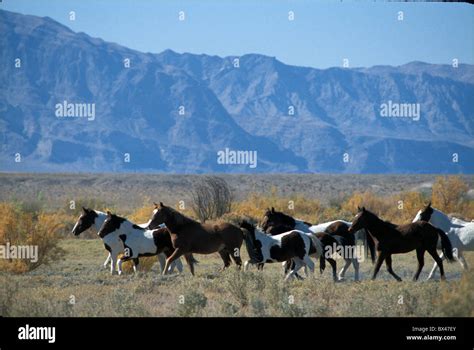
(294,245)
(137,241)
(112,242)
(275,222)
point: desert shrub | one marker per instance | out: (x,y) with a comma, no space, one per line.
(193,304)
(211,198)
(19,228)
(298,206)
(399,208)
(146,264)
(448,193)
(457,299)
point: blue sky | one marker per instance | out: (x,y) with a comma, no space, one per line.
(322,34)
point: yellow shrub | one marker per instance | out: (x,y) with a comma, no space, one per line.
(41,230)
(448,192)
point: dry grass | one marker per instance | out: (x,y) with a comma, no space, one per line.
(77,285)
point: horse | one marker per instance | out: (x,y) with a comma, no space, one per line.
(459,232)
(396,239)
(275,222)
(137,241)
(189,236)
(293,245)
(112,243)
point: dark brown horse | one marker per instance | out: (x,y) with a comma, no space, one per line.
(398,239)
(189,236)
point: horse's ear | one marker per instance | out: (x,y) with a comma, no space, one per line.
(359,208)
(156,205)
(429,204)
(109,214)
(161,204)
(273,209)
(84,209)
(363,208)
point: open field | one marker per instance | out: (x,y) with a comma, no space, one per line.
(79,277)
(74,283)
(128,191)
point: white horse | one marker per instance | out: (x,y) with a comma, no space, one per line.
(295,245)
(459,232)
(112,243)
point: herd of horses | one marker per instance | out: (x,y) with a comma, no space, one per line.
(169,234)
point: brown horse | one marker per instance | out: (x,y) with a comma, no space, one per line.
(189,236)
(397,239)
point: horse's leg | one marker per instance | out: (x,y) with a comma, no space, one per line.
(378,263)
(435,267)
(333,264)
(420,255)
(355,263)
(225,257)
(310,264)
(113,262)
(438,260)
(235,255)
(342,273)
(119,266)
(136,262)
(179,265)
(162,261)
(190,261)
(176,254)
(298,265)
(388,262)
(246,265)
(461,259)
(106,262)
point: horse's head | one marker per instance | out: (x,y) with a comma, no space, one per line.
(361,220)
(425,213)
(111,224)
(85,221)
(275,218)
(161,214)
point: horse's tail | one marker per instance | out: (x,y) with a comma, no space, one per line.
(446,245)
(318,245)
(322,264)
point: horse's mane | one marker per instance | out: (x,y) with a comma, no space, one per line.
(179,218)
(383,222)
(286,218)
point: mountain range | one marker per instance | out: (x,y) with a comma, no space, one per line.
(172,112)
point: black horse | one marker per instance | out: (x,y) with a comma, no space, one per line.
(398,239)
